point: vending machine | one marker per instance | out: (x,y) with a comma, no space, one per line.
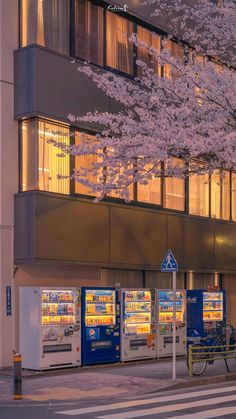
(100,326)
(164,337)
(50,327)
(138,326)
(204,310)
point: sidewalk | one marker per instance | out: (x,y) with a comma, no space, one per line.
(116,381)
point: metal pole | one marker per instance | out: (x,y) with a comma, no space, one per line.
(174,327)
(17,377)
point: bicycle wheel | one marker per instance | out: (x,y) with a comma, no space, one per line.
(199,366)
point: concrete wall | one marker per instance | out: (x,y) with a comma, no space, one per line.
(8,168)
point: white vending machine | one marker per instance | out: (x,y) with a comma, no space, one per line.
(164,299)
(138,327)
(50,327)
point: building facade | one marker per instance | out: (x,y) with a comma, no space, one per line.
(52,233)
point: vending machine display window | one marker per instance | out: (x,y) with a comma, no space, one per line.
(100,308)
(58,307)
(166,306)
(137,312)
(212,306)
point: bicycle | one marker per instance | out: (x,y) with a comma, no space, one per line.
(221,336)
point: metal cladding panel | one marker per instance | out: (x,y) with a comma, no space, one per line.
(138,236)
(21,78)
(70,230)
(24,234)
(225,246)
(192,241)
(62,228)
(48,84)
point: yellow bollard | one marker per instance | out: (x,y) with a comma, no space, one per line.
(17,377)
(190,360)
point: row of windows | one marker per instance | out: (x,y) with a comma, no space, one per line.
(89,32)
(41,164)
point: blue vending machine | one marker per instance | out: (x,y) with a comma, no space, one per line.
(204,310)
(100,326)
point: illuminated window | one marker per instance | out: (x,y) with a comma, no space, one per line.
(199,194)
(29,155)
(46,23)
(151,192)
(85,162)
(152,40)
(174,190)
(220,195)
(89,31)
(233,194)
(119,50)
(177,51)
(215,194)
(50,163)
(42,163)
(225,199)
(117,193)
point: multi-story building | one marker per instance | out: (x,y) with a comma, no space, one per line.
(59,235)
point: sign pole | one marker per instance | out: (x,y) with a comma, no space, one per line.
(174,327)
(170,264)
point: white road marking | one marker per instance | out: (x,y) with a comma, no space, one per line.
(207,414)
(134,403)
(168,409)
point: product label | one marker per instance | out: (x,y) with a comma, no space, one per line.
(92,333)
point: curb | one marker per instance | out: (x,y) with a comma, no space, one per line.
(216,379)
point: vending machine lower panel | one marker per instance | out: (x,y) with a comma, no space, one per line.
(101,326)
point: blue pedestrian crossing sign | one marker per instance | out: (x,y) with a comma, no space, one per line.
(169,263)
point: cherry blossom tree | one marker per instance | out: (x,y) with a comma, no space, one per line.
(176,121)
(208,25)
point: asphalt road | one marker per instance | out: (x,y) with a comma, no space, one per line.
(210,401)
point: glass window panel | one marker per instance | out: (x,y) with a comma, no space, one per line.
(178,52)
(89,31)
(199,194)
(150,193)
(174,190)
(233,192)
(119,51)
(117,193)
(215,194)
(46,23)
(50,165)
(152,40)
(29,172)
(85,162)
(225,201)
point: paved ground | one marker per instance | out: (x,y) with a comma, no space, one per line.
(115,381)
(212,401)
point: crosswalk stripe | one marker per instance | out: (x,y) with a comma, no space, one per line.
(207,414)
(167,409)
(135,403)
